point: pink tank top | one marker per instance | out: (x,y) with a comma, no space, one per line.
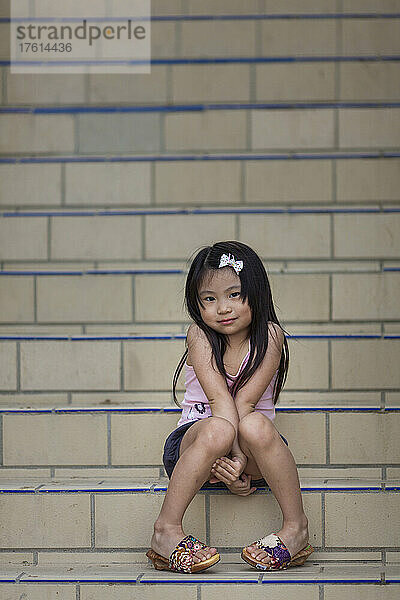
(195,404)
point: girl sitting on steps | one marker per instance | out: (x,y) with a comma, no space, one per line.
(237,362)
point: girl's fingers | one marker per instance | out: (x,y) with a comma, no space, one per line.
(231,475)
(213,480)
(227,466)
(221,476)
(235,464)
(218,459)
(242,487)
(229,461)
(235,472)
(225,476)
(239,486)
(227,471)
(224,480)
(246,492)
(251,491)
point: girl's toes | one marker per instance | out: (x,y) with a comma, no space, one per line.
(258,554)
(254,551)
(266,559)
(200,556)
(197,558)
(203,555)
(262,557)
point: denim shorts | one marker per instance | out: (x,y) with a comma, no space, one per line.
(171,455)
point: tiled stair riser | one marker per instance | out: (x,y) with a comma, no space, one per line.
(318,363)
(134,437)
(119,515)
(283,179)
(129,299)
(227,131)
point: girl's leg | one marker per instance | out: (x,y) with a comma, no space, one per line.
(268,454)
(202,444)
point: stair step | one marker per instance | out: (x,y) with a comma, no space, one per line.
(84,368)
(38,485)
(84,299)
(89,577)
(98,514)
(226,571)
(92,436)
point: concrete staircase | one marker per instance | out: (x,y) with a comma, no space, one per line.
(78,508)
(266,127)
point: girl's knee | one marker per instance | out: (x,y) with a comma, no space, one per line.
(219,434)
(256,428)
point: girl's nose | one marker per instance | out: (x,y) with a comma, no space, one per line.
(223,307)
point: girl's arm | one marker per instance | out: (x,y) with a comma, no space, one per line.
(248,396)
(214,386)
(213,383)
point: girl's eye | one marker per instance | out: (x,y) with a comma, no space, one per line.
(235,294)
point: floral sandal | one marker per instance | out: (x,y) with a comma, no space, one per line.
(280,555)
(181,559)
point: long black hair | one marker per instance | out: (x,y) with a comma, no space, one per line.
(256,288)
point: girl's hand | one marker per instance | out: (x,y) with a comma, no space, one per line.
(242,458)
(241,487)
(213,479)
(227,469)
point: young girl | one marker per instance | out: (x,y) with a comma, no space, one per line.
(236,364)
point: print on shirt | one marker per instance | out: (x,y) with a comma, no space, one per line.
(195,410)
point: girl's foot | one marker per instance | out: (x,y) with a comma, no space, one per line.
(165,539)
(294,537)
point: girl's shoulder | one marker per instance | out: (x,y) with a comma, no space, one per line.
(197,339)
(274,326)
(276,332)
(194,333)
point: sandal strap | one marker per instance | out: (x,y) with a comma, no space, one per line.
(276,549)
(181,559)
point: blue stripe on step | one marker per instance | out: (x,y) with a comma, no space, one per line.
(198,157)
(99,272)
(245,60)
(45,110)
(199,211)
(225,17)
(173,410)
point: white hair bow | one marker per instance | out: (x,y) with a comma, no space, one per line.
(229,260)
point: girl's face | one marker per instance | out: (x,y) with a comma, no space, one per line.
(223,309)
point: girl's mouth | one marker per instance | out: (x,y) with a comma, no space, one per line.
(227,321)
